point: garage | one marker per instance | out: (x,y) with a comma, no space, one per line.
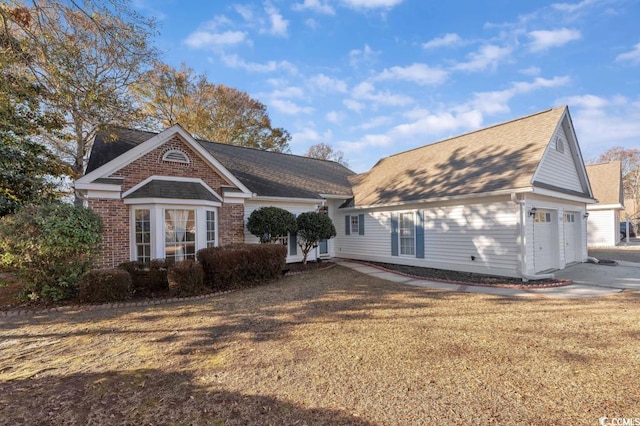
(572,237)
(545,240)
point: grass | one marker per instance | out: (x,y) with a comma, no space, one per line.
(327,347)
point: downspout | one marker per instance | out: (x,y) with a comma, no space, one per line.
(523,232)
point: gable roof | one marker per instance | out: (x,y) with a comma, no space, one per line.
(173,189)
(501,157)
(265,173)
(606,182)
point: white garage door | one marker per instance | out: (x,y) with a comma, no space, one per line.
(545,234)
(572,251)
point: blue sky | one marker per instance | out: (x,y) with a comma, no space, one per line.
(376,77)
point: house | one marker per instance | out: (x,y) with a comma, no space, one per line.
(506,200)
(169,195)
(604,216)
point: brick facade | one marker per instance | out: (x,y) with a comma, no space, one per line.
(115,214)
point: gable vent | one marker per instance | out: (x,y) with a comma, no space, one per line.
(175,156)
(559,144)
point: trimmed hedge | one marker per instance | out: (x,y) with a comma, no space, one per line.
(105,285)
(147,280)
(186,278)
(241,265)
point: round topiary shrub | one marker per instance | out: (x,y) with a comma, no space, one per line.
(52,246)
(105,285)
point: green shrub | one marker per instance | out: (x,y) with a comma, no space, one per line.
(147,280)
(271,223)
(105,285)
(186,278)
(313,227)
(52,246)
(241,265)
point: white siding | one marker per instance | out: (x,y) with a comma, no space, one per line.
(295,208)
(603,228)
(453,234)
(559,168)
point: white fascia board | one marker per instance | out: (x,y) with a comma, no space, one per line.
(563,196)
(110,195)
(98,186)
(442,199)
(172,201)
(605,207)
(236,194)
(336,196)
(171,179)
(233,200)
(288,200)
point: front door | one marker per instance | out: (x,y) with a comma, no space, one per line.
(324,247)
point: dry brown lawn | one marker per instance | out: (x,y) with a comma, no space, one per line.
(327,347)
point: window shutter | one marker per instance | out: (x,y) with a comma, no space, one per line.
(347,225)
(361,224)
(394,234)
(293,243)
(420,234)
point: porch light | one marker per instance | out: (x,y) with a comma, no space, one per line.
(586,215)
(532,211)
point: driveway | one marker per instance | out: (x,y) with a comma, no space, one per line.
(622,276)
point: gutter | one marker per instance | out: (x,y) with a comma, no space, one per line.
(525,277)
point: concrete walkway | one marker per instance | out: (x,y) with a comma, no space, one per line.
(589,280)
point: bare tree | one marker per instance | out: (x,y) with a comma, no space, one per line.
(324,151)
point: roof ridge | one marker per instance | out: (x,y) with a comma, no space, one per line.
(472,132)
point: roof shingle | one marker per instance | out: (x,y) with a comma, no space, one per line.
(606,182)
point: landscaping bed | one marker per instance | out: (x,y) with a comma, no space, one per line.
(468,277)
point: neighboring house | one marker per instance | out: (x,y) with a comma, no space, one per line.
(506,200)
(604,216)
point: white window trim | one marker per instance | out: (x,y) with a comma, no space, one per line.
(400,254)
(156,216)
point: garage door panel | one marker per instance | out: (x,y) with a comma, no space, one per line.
(572,227)
(545,238)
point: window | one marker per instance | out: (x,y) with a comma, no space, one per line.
(175,156)
(542,217)
(355,225)
(180,234)
(559,144)
(570,217)
(143,235)
(211,228)
(407,234)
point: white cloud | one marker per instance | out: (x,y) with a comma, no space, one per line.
(327,84)
(366,91)
(437,124)
(592,101)
(234,61)
(311,23)
(497,102)
(488,56)
(632,56)
(279,25)
(367,141)
(375,122)
(290,108)
(366,55)
(244,11)
(421,74)
(333,117)
(353,105)
(371,4)
(572,7)
(317,6)
(531,71)
(543,40)
(447,40)
(288,92)
(309,136)
(205,39)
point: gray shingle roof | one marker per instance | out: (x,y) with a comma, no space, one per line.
(173,189)
(265,173)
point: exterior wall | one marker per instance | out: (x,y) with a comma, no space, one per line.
(115,238)
(603,228)
(557,166)
(116,247)
(559,207)
(486,230)
(295,208)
